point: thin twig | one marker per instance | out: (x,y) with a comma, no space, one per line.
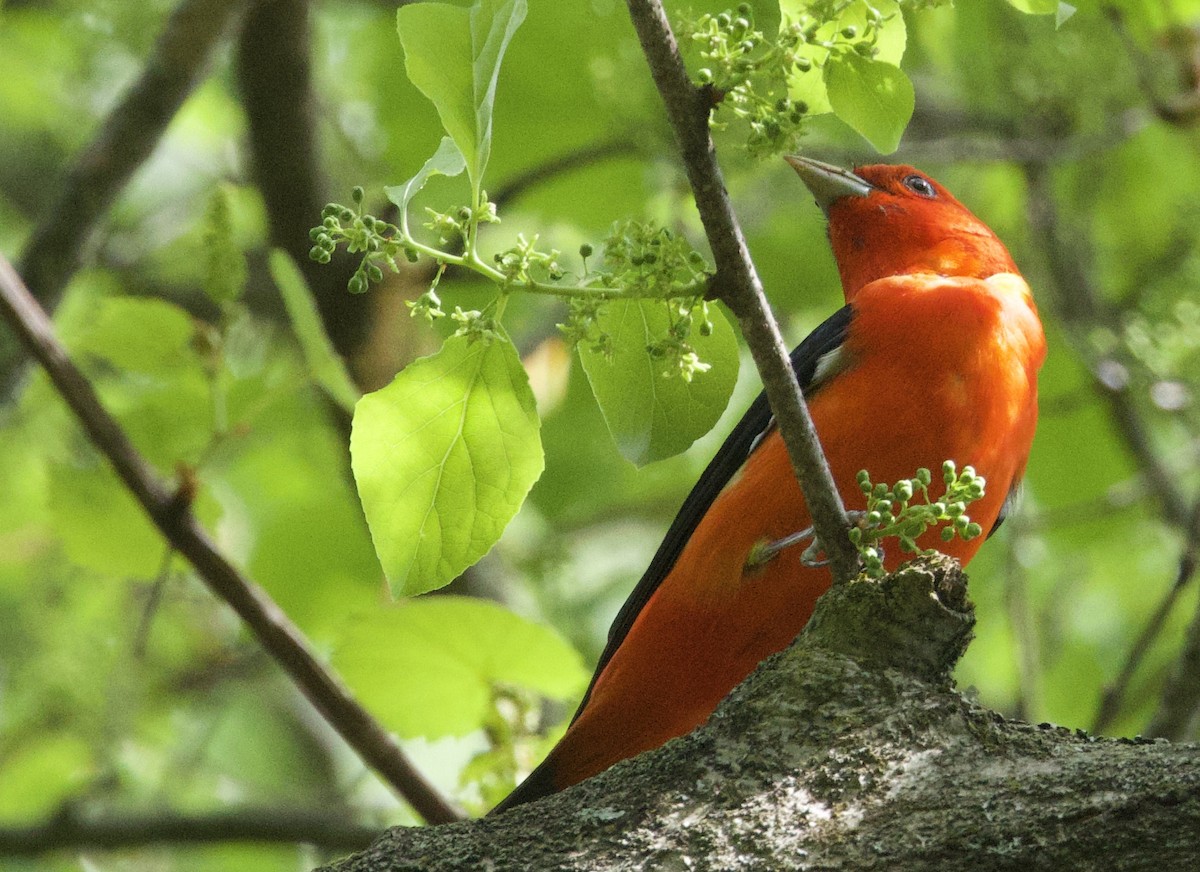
(125,140)
(1180,698)
(141,636)
(172,515)
(1080,305)
(737,283)
(71,829)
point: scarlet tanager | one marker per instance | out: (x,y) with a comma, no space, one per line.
(934,356)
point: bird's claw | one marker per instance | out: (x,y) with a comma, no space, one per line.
(813,556)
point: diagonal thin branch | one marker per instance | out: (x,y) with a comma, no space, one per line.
(125,140)
(550,169)
(1180,699)
(1081,306)
(70,829)
(1166,717)
(171,514)
(737,283)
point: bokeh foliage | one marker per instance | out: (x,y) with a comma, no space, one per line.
(125,686)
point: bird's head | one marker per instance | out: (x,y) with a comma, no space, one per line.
(887,220)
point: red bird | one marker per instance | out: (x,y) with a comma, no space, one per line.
(934,357)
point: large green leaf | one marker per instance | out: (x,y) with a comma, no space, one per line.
(890,41)
(324,364)
(428,667)
(443,458)
(100,525)
(873,97)
(138,333)
(453,55)
(650,415)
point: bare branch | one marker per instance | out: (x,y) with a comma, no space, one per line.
(1180,699)
(171,514)
(1080,305)
(274,71)
(125,140)
(71,829)
(737,283)
(576,158)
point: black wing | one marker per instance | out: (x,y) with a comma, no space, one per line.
(738,446)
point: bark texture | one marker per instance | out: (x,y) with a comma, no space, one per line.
(851,750)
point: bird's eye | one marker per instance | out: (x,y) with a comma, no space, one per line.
(920,186)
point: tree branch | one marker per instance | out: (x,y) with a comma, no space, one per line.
(171,514)
(69,829)
(125,140)
(1180,699)
(737,283)
(850,750)
(1079,304)
(1168,721)
(274,73)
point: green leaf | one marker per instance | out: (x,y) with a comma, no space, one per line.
(873,97)
(1036,7)
(39,773)
(453,56)
(101,526)
(324,364)
(651,416)
(446,161)
(428,667)
(138,334)
(890,42)
(443,457)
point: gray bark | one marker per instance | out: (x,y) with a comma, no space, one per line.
(851,750)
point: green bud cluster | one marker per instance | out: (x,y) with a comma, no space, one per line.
(376,239)
(892,513)
(639,261)
(676,352)
(651,261)
(524,262)
(427,306)
(582,326)
(475,325)
(749,77)
(752,75)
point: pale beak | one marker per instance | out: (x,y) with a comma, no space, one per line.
(828,183)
